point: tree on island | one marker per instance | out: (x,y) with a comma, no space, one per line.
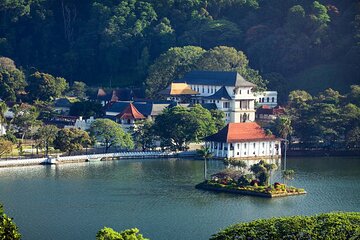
(262,171)
(110,134)
(71,139)
(288,174)
(128,234)
(8,229)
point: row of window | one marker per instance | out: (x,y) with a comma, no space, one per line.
(210,89)
(262,100)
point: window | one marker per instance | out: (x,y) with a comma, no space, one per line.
(244,153)
(273,99)
(248,91)
(254,145)
(262,100)
(263,144)
(259,99)
(238,145)
(203,90)
(226,104)
(268,99)
(238,153)
(218,101)
(208,90)
(244,145)
(240,91)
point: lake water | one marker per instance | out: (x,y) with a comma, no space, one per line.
(74,201)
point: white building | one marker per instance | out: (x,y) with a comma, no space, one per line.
(228,90)
(268,98)
(83,124)
(244,141)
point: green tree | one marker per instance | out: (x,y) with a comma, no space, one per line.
(179,126)
(219,118)
(110,134)
(170,66)
(144,135)
(283,126)
(86,109)
(12,80)
(262,171)
(78,89)
(3,109)
(6,146)
(45,137)
(45,87)
(8,228)
(128,234)
(70,140)
(224,58)
(25,119)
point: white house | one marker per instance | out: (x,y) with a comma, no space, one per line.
(83,124)
(268,98)
(244,141)
(228,90)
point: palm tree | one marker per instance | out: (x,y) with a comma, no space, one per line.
(283,126)
(288,175)
(205,153)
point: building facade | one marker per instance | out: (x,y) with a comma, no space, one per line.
(267,98)
(244,141)
(231,93)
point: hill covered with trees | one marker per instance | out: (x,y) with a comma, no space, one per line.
(310,45)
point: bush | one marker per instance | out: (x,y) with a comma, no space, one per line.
(8,229)
(128,234)
(324,226)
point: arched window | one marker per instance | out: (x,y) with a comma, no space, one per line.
(273,99)
(268,99)
(263,100)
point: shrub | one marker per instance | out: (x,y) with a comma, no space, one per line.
(328,226)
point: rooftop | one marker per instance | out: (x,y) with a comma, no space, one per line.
(217,78)
(221,94)
(240,132)
(130,112)
(178,89)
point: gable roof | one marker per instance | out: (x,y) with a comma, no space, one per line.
(130,112)
(145,108)
(178,89)
(222,94)
(217,78)
(240,132)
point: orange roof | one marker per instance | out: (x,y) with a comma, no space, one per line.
(240,132)
(130,112)
(178,89)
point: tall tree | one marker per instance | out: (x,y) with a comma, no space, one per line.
(45,87)
(12,80)
(70,140)
(110,134)
(45,137)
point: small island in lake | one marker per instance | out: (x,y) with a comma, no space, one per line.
(255,184)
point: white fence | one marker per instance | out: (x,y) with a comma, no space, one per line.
(53,160)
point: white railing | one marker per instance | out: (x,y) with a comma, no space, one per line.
(51,160)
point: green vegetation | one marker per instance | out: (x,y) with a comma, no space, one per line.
(328,120)
(70,140)
(110,134)
(331,226)
(8,229)
(117,41)
(128,234)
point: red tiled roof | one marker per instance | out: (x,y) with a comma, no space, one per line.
(130,112)
(240,132)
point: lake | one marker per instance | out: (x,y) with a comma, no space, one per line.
(74,201)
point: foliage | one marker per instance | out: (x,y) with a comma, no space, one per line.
(128,234)
(262,171)
(204,152)
(71,139)
(8,229)
(144,135)
(283,127)
(6,146)
(116,41)
(109,133)
(339,225)
(45,87)
(86,109)
(328,120)
(12,80)
(25,119)
(45,137)
(288,174)
(78,89)
(178,126)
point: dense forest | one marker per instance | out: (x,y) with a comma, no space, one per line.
(293,44)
